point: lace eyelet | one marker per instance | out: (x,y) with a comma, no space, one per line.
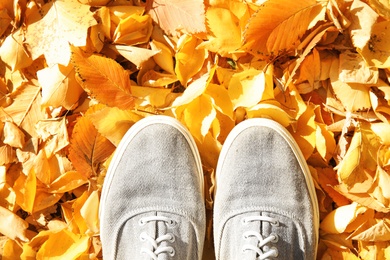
(172,252)
(276,238)
(142,236)
(171,223)
(172,238)
(275,250)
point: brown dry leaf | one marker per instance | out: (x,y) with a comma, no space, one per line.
(278,25)
(88,148)
(104,78)
(174,16)
(51,28)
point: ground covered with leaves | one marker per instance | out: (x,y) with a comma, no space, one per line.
(75,75)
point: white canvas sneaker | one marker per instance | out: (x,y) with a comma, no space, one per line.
(265,202)
(152,204)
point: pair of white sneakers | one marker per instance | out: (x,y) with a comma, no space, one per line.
(152,203)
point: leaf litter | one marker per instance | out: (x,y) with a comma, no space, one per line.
(76,75)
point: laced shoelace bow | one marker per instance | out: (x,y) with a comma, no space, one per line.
(262,249)
(156,242)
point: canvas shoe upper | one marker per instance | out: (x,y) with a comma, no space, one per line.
(265,203)
(152,204)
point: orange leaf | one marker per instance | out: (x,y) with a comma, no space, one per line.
(104,78)
(176,15)
(67,182)
(88,148)
(279,25)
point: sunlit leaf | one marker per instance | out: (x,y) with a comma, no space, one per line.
(103,78)
(177,15)
(46,37)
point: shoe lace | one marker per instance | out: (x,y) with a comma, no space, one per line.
(262,249)
(156,242)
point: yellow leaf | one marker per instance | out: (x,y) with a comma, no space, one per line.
(12,225)
(194,90)
(360,160)
(25,188)
(71,246)
(362,19)
(163,57)
(44,200)
(76,212)
(153,78)
(382,130)
(381,6)
(5,20)
(270,109)
(378,232)
(12,250)
(59,86)
(376,52)
(67,182)
(221,99)
(279,25)
(220,21)
(46,37)
(54,133)
(176,15)
(156,97)
(88,148)
(113,123)
(25,109)
(246,88)
(189,59)
(90,212)
(353,96)
(325,142)
(339,219)
(134,29)
(104,78)
(47,169)
(134,54)
(198,116)
(305,133)
(13,136)
(12,51)
(353,69)
(95,2)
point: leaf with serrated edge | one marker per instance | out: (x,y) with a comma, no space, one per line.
(104,78)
